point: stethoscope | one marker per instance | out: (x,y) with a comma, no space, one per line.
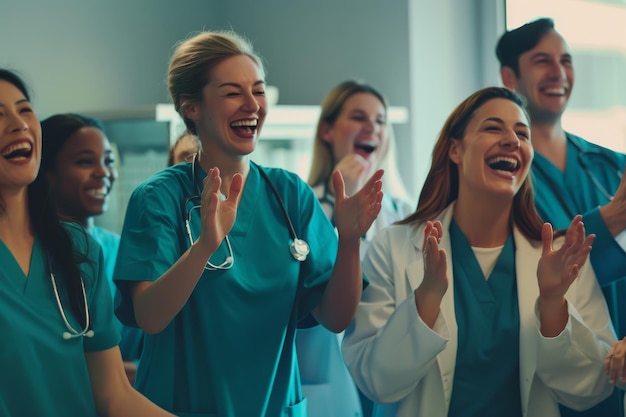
(582,154)
(71,332)
(592,177)
(298,248)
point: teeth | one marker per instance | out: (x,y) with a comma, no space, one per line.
(245,123)
(17,147)
(503,163)
(555,91)
(98,192)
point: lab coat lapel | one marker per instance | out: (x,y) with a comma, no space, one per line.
(527,256)
(415,273)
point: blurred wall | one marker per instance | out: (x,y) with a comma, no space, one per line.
(86,55)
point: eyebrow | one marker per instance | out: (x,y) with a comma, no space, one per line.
(90,152)
(546,54)
(228,84)
(500,121)
(17,102)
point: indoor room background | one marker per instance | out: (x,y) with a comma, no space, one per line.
(109,59)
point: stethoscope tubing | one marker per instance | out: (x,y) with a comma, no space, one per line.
(582,153)
(299,248)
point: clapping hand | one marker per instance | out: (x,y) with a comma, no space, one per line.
(558,269)
(218,216)
(435,266)
(355,214)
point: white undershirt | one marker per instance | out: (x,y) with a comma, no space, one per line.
(487,258)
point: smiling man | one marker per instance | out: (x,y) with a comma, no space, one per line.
(571,175)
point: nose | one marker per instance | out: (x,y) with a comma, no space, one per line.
(557,71)
(371,126)
(510,140)
(16,122)
(101,170)
(251,103)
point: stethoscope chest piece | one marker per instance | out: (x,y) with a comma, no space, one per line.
(299,249)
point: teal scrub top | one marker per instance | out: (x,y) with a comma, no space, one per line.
(486,375)
(132,337)
(230,350)
(559,196)
(41,373)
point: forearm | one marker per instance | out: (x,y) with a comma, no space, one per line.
(614,216)
(553,316)
(428,305)
(132,404)
(112,393)
(157,303)
(343,291)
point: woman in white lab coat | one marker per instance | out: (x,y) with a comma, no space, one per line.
(469,310)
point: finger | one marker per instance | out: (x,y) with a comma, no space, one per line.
(439,228)
(236,185)
(546,239)
(572,230)
(339,185)
(211,183)
(427,230)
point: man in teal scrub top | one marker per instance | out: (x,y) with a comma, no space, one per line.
(571,175)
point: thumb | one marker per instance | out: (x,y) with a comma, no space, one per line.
(546,238)
(340,187)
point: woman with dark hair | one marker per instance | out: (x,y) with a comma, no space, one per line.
(59,355)
(470,311)
(79,164)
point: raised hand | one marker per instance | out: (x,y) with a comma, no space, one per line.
(355,214)
(353,168)
(435,266)
(430,292)
(218,216)
(558,269)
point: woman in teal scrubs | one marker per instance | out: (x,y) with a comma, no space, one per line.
(78,161)
(473,307)
(221,297)
(59,354)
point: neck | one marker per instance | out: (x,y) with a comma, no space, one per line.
(484,221)
(15,221)
(549,140)
(227,166)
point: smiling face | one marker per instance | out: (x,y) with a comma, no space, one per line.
(495,153)
(85,172)
(546,78)
(20,138)
(360,128)
(232,110)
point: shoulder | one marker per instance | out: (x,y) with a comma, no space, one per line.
(171,181)
(400,206)
(82,241)
(105,237)
(586,146)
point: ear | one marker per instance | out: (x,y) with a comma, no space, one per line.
(509,79)
(455,152)
(190,109)
(324,132)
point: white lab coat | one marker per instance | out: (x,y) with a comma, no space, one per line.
(401,363)
(326,383)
